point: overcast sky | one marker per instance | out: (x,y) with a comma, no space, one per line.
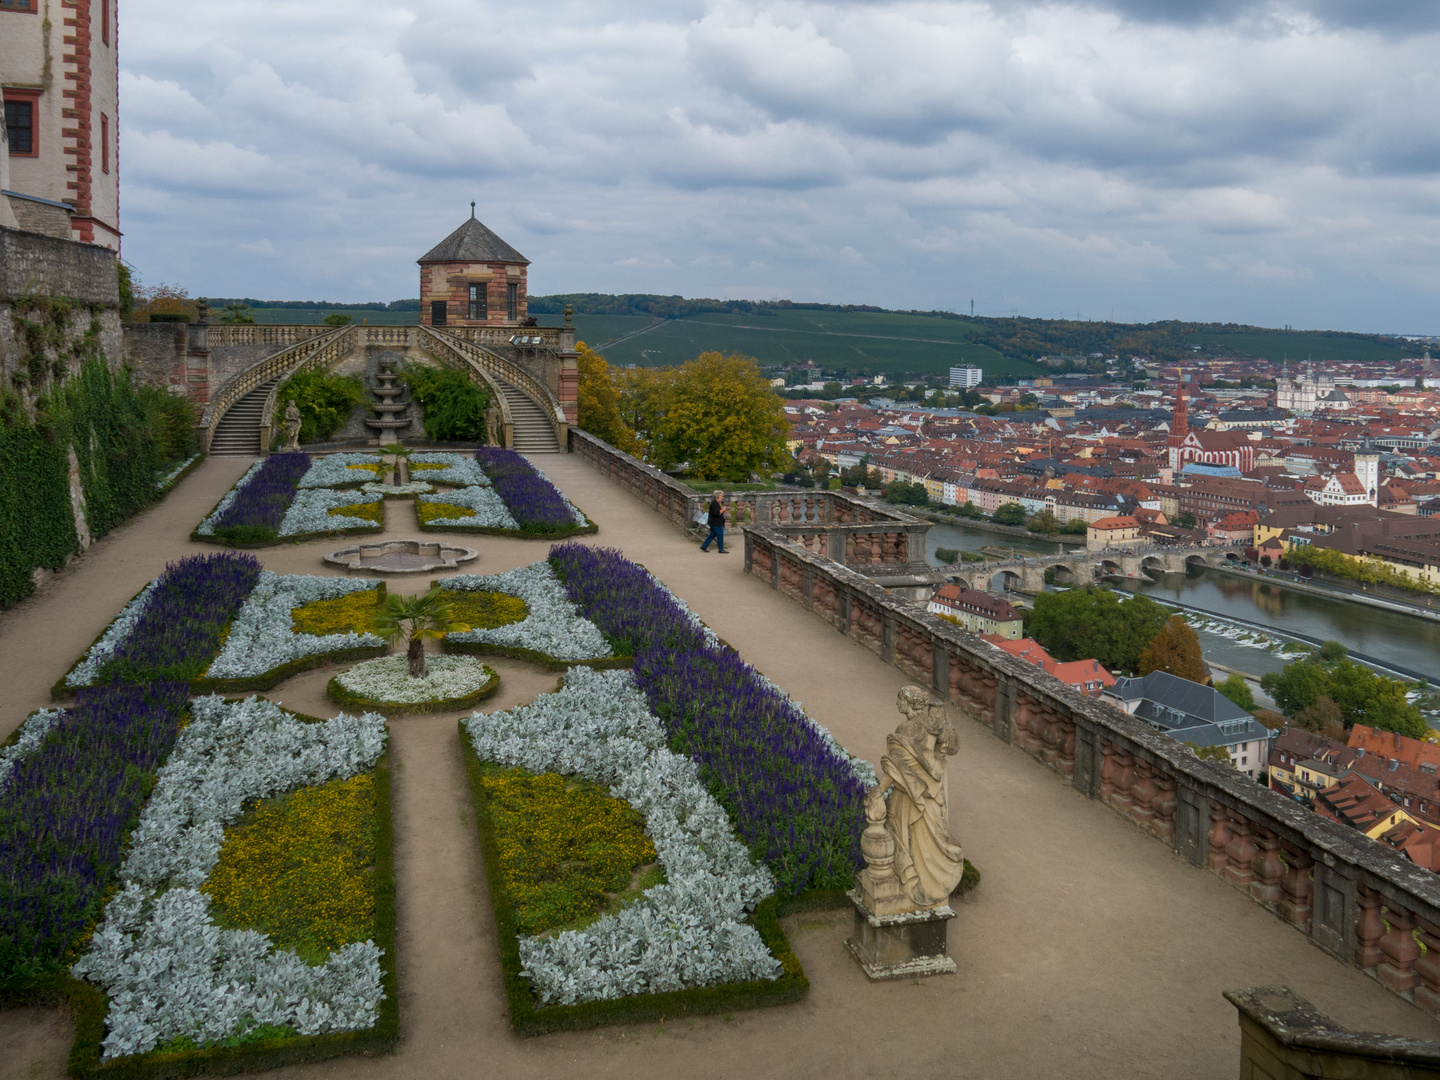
(1137,159)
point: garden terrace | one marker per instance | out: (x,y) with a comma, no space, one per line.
(1090,946)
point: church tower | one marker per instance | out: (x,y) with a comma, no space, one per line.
(1179,423)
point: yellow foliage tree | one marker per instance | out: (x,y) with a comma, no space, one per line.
(1176,649)
(598,402)
(162,300)
(716,415)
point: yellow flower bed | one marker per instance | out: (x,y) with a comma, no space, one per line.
(420,466)
(353,611)
(567,848)
(435,511)
(483,610)
(300,869)
(379,469)
(370,511)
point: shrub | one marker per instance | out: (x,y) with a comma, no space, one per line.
(325,401)
(454,405)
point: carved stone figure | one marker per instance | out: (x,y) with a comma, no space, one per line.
(493,420)
(912,862)
(292,427)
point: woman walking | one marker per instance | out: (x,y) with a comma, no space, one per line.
(716,521)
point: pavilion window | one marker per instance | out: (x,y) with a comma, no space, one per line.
(512,301)
(479,302)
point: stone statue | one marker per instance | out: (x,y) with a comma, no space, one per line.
(292,426)
(493,420)
(912,863)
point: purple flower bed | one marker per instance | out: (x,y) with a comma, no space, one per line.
(65,812)
(794,800)
(532,500)
(260,505)
(178,633)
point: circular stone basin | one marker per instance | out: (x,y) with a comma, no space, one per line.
(402,556)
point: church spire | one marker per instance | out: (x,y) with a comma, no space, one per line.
(1179,422)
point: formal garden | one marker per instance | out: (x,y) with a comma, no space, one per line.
(207,877)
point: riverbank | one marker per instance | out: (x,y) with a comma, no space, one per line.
(984,526)
(1353,596)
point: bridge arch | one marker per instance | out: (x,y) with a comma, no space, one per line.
(1196,560)
(1066,573)
(1110,566)
(1006,581)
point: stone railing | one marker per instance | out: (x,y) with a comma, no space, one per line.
(872,539)
(326,354)
(1357,899)
(257,374)
(222,334)
(445,344)
(500,335)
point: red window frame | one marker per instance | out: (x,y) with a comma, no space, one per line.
(105,21)
(33,97)
(104,143)
(28,7)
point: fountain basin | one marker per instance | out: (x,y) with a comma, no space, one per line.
(402,557)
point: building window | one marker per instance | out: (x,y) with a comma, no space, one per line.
(512,301)
(20,125)
(104,143)
(105,21)
(17,5)
(479,301)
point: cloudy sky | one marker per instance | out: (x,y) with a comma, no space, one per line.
(1226,160)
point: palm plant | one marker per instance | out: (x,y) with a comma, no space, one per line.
(413,619)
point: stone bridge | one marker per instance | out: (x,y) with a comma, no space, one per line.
(1028,574)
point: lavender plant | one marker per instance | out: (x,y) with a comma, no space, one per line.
(533,500)
(794,797)
(64,814)
(259,506)
(179,630)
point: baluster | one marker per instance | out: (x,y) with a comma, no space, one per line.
(1219,837)
(1240,852)
(1107,771)
(1164,824)
(1066,763)
(1369,929)
(1397,970)
(1267,868)
(1121,798)
(1295,905)
(1053,736)
(1427,994)
(1144,792)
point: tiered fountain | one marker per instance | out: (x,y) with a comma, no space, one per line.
(391,415)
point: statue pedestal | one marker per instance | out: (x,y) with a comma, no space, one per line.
(901,946)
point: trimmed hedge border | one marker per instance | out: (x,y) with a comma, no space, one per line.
(518,534)
(61,691)
(91,1006)
(161,492)
(338,694)
(529,1019)
(514,652)
(293,538)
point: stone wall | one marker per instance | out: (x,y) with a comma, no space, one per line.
(157,353)
(1359,900)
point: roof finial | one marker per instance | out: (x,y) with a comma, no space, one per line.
(472,209)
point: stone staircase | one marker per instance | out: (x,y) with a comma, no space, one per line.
(238,432)
(534,433)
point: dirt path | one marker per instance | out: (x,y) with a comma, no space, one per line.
(1089,950)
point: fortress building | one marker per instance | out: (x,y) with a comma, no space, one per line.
(472,278)
(1308,393)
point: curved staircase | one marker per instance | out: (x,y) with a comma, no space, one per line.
(533,432)
(238,432)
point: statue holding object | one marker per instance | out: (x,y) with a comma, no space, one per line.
(292,426)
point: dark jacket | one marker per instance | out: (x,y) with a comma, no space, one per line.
(717,515)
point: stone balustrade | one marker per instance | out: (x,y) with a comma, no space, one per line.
(224,334)
(1359,900)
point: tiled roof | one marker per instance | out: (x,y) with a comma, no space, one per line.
(473,242)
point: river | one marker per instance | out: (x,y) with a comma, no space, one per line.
(1409,643)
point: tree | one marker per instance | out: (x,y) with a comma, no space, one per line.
(1234,687)
(454,404)
(237,312)
(1043,522)
(947,555)
(325,401)
(1093,622)
(1185,520)
(907,494)
(412,619)
(598,402)
(1176,649)
(335,318)
(1323,718)
(162,299)
(1352,694)
(1075,527)
(1009,514)
(970,510)
(1296,687)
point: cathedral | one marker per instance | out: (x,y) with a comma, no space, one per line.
(1306,394)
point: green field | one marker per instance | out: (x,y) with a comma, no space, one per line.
(313,316)
(859,342)
(1318,345)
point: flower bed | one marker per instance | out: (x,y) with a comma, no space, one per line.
(532,499)
(487,511)
(26,739)
(264,647)
(553,631)
(462,470)
(384,684)
(398,491)
(795,795)
(251,511)
(313,514)
(185,992)
(339,470)
(72,793)
(685,946)
(164,483)
(173,628)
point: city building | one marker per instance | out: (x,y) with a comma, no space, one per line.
(1354,802)
(1087,676)
(60,168)
(473,278)
(1308,393)
(963,378)
(1112,532)
(1195,714)
(976,611)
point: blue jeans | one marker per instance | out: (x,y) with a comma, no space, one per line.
(717,533)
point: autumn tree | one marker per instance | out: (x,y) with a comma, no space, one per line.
(598,401)
(161,299)
(1176,649)
(1080,624)
(1328,686)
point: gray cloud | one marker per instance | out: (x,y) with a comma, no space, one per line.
(1209,160)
